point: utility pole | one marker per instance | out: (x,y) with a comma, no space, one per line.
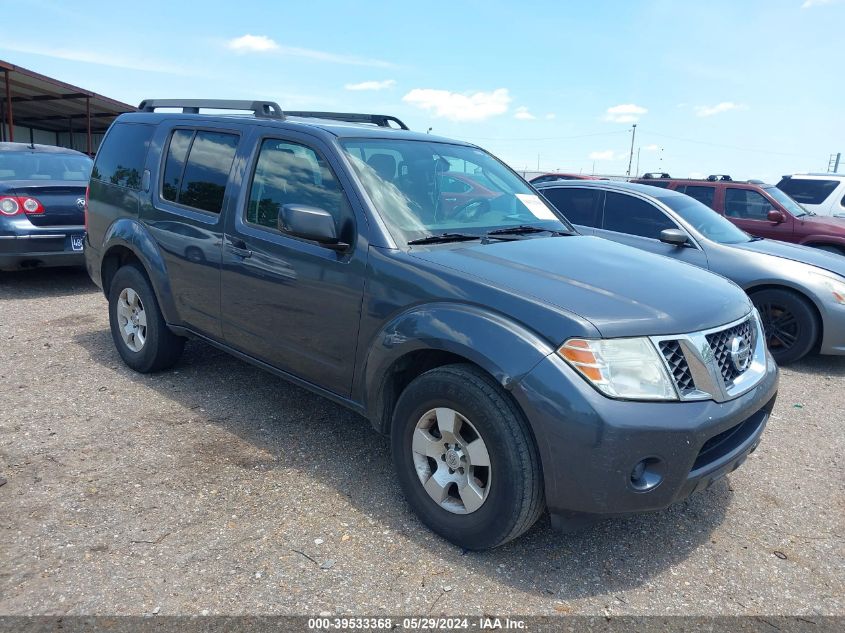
(631,155)
(834,162)
(637,171)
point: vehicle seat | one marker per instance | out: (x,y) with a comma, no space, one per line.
(384,165)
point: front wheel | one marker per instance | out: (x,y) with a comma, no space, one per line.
(465,458)
(789,321)
(141,336)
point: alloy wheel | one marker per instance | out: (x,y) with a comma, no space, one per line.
(451,460)
(132,319)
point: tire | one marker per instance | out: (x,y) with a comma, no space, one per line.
(790,323)
(149,348)
(505,497)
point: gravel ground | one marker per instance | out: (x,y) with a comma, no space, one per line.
(218,488)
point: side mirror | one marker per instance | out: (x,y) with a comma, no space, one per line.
(776,216)
(310,223)
(675,237)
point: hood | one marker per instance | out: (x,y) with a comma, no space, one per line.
(621,290)
(824,223)
(831,262)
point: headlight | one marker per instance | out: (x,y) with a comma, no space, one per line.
(620,368)
(836,286)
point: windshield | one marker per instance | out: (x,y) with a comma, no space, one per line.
(705,220)
(44,166)
(786,202)
(424,188)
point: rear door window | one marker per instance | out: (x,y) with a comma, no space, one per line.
(197,168)
(701,193)
(807,191)
(633,216)
(121,158)
(580,206)
(746,204)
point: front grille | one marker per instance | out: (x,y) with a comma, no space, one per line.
(678,365)
(720,343)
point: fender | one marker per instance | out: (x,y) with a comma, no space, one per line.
(502,347)
(131,234)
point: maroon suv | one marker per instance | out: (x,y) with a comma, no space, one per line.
(759,209)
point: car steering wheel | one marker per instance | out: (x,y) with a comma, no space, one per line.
(471,210)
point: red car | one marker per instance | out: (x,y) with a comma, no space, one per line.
(759,209)
(551,177)
(457,188)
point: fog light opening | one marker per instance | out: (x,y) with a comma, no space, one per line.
(647,474)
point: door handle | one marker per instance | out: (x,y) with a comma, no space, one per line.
(238,247)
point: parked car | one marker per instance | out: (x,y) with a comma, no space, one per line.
(760,209)
(514,363)
(799,291)
(556,176)
(42,198)
(822,194)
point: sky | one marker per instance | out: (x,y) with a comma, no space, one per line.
(750,88)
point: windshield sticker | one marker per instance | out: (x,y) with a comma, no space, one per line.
(536,206)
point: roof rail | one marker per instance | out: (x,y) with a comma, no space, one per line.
(715,177)
(381,120)
(653,175)
(261,109)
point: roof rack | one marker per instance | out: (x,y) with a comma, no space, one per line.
(381,120)
(261,109)
(653,175)
(715,177)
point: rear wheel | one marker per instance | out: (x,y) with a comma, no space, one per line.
(465,458)
(789,321)
(141,336)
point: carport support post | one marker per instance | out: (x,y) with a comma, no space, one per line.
(9,109)
(88,117)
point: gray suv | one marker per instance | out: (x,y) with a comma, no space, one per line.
(515,364)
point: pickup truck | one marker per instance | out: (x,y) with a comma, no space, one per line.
(516,365)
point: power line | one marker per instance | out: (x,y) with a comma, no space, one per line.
(546,138)
(734,147)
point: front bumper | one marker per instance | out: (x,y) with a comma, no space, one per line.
(833,329)
(590,444)
(40,246)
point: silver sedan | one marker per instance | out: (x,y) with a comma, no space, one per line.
(799,291)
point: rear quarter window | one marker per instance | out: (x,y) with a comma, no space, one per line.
(120,160)
(807,191)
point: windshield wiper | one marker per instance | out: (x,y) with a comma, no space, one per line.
(756,238)
(445,237)
(524,229)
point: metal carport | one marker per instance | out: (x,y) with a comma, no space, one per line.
(40,109)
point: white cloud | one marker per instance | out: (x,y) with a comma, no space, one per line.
(523,113)
(460,107)
(625,113)
(371,85)
(550,116)
(651,148)
(262,44)
(252,44)
(725,106)
(809,4)
(100,59)
(607,154)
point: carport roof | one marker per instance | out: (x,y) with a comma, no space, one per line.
(45,103)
